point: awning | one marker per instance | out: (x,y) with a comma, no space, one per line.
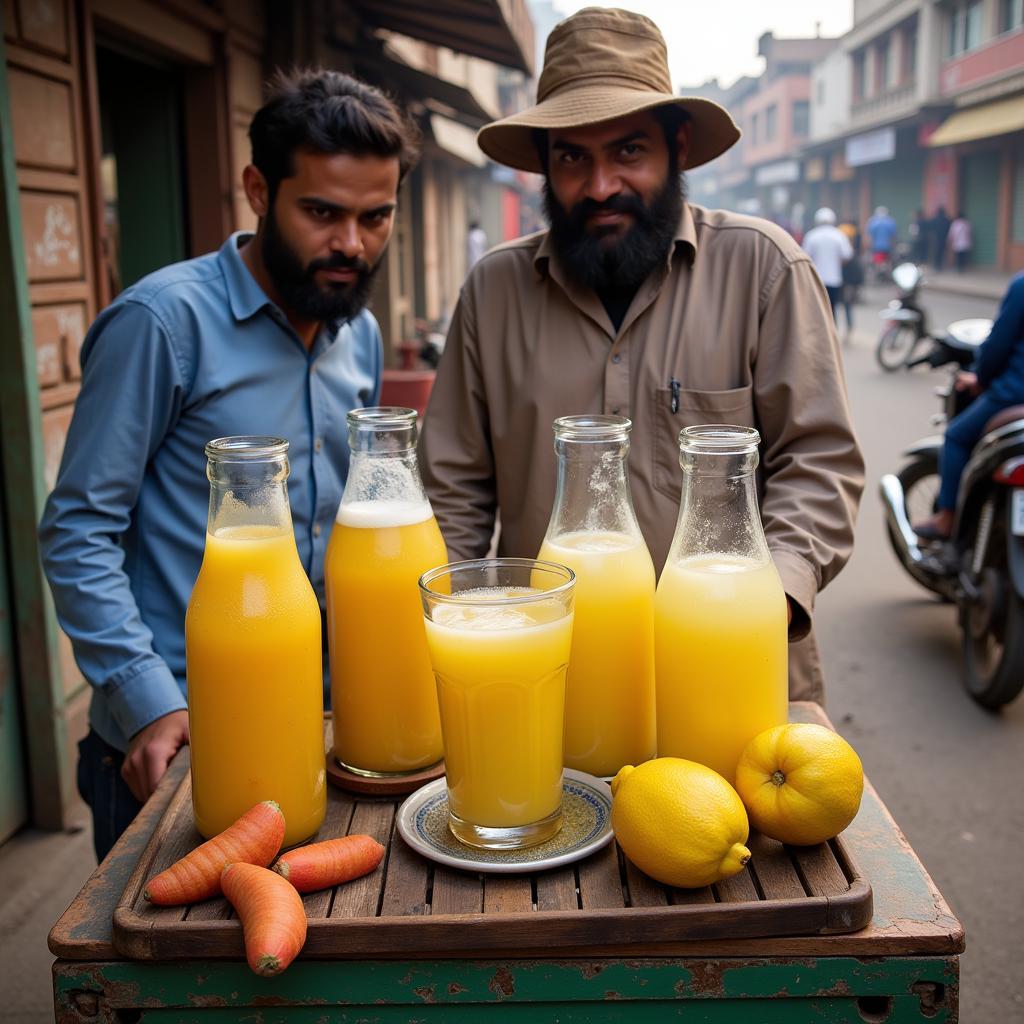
(495,30)
(382,69)
(997,118)
(457,139)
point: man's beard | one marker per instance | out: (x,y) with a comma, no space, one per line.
(595,261)
(297,286)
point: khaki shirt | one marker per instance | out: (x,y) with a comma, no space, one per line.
(737,315)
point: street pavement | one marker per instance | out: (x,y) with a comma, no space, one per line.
(947,769)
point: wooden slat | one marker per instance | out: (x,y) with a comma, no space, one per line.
(774,869)
(644,891)
(361,896)
(600,882)
(456,892)
(691,897)
(738,889)
(556,890)
(405,885)
(336,822)
(507,894)
(821,872)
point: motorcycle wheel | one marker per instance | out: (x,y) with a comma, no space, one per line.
(993,642)
(895,346)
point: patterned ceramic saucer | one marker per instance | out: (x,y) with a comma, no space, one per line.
(586,827)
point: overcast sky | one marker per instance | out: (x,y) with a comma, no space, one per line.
(718,38)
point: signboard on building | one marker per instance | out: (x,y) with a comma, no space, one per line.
(784,172)
(871,147)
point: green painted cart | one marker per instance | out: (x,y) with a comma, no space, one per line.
(595,941)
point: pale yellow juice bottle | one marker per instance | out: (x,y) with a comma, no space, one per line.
(382,687)
(383,698)
(254,661)
(720,611)
(610,714)
(720,682)
(499,655)
(609,703)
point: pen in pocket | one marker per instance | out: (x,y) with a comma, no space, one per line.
(674,385)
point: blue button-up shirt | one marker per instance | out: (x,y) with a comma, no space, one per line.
(192,352)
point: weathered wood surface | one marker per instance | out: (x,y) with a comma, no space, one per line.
(602,906)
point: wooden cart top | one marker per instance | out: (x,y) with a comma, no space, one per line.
(910,917)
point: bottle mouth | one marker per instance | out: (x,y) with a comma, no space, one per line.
(382,418)
(718,439)
(246,448)
(464,581)
(592,428)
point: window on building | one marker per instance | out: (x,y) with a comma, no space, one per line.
(801,118)
(755,126)
(910,53)
(1011,15)
(965,27)
(771,116)
(883,64)
(858,75)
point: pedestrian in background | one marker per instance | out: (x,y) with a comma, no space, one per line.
(829,250)
(881,231)
(940,229)
(853,273)
(476,244)
(961,241)
(918,235)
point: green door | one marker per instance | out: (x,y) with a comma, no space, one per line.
(141,168)
(979,199)
(13,791)
(897,185)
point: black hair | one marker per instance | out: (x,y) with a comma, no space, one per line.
(328,112)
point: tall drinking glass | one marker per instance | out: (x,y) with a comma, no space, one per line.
(499,633)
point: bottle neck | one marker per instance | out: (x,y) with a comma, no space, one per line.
(249,495)
(384,476)
(718,511)
(592,490)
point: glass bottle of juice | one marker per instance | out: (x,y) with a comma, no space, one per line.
(609,702)
(720,611)
(253,650)
(383,695)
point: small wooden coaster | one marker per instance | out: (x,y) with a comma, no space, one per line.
(389,785)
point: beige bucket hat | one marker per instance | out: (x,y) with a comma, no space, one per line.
(600,64)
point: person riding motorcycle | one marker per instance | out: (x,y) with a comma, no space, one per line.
(997,382)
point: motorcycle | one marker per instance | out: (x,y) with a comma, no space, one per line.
(981,567)
(905,323)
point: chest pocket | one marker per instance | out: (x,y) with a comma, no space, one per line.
(735,406)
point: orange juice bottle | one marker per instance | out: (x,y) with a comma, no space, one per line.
(609,701)
(254,662)
(383,697)
(720,610)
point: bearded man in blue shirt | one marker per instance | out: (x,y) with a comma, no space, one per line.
(269,335)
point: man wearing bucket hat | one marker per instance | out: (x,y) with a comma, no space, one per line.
(637,303)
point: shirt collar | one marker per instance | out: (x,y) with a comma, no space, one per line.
(685,241)
(245,296)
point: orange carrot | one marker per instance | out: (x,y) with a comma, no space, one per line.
(322,865)
(254,839)
(272,915)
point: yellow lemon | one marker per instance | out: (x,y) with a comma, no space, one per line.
(801,783)
(679,822)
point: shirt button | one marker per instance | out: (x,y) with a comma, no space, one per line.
(616,358)
(316,529)
(318,444)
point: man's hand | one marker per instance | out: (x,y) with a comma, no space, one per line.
(150,751)
(967,381)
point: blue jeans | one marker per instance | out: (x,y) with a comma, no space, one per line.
(107,794)
(962,434)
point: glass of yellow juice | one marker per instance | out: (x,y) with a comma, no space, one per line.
(499,633)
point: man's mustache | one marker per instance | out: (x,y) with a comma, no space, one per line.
(613,204)
(339,261)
